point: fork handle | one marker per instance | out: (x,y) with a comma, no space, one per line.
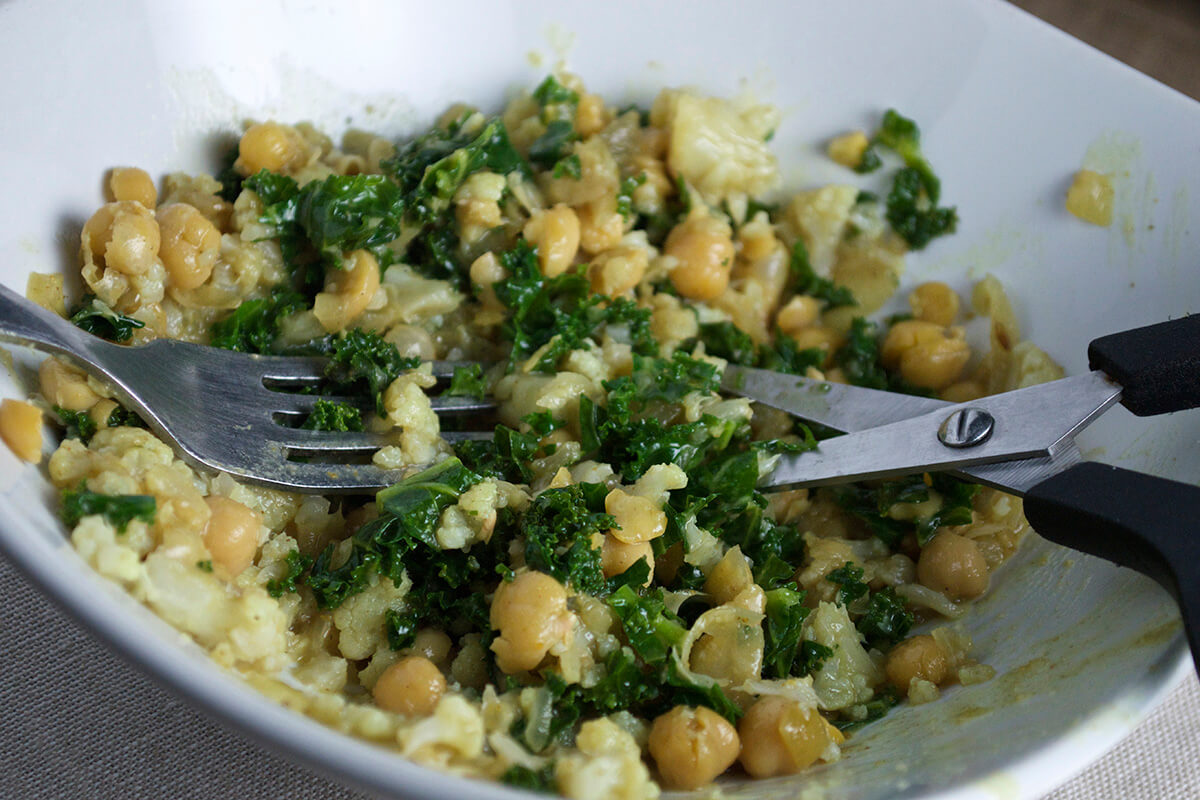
(1136,520)
(1158,366)
(26,323)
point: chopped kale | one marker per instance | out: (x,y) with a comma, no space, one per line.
(651,630)
(121,417)
(849,578)
(913,215)
(551,92)
(805,281)
(568,167)
(296,563)
(868,162)
(505,456)
(78,424)
(205,565)
(561,311)
(253,326)
(625,193)
(884,701)
(873,504)
(403,537)
(784,355)
(229,178)
(811,657)
(886,621)
(118,509)
(328,415)
(99,319)
(468,381)
(401,628)
(541,780)
(558,528)
(785,614)
(728,341)
(363,362)
(552,145)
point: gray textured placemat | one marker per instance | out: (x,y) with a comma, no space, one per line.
(77,722)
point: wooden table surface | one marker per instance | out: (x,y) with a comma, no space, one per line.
(1158,37)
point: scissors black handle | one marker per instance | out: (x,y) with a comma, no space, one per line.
(1158,366)
(1139,521)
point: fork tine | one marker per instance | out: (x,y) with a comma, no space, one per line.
(308,441)
(328,478)
(460,405)
(291,368)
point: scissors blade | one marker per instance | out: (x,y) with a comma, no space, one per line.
(1025,424)
(835,405)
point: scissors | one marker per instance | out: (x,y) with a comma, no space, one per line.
(1023,442)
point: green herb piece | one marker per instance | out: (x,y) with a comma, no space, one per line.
(562,309)
(869,162)
(121,417)
(559,526)
(79,424)
(229,178)
(785,614)
(541,780)
(118,509)
(552,145)
(805,281)
(913,215)
(328,415)
(569,167)
(811,658)
(873,504)
(205,566)
(468,381)
(625,194)
(651,630)
(886,621)
(849,578)
(552,92)
(401,628)
(296,563)
(99,319)
(363,362)
(402,537)
(877,707)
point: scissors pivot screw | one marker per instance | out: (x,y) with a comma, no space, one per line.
(967,427)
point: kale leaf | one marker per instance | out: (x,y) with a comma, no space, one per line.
(296,562)
(118,509)
(886,621)
(328,415)
(849,578)
(468,381)
(78,424)
(363,362)
(805,281)
(558,528)
(253,326)
(99,319)
(785,613)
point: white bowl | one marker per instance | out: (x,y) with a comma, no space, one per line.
(1010,109)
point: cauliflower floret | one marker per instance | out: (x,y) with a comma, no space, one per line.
(819,218)
(360,619)
(608,765)
(849,676)
(454,732)
(409,409)
(716,146)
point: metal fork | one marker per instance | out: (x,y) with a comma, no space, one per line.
(228,411)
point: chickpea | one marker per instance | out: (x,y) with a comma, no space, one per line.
(133,184)
(963,392)
(615,272)
(692,746)
(617,556)
(781,737)
(600,226)
(703,247)
(848,148)
(231,535)
(590,115)
(639,520)
(819,336)
(124,235)
(21,429)
(926,354)
(531,615)
(729,576)
(555,234)
(1090,197)
(65,386)
(412,686)
(348,291)
(934,302)
(917,658)
(800,312)
(101,411)
(953,565)
(271,146)
(432,644)
(190,245)
(757,238)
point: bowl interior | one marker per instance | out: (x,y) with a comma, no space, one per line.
(1009,108)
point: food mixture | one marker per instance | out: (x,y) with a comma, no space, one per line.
(597,601)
